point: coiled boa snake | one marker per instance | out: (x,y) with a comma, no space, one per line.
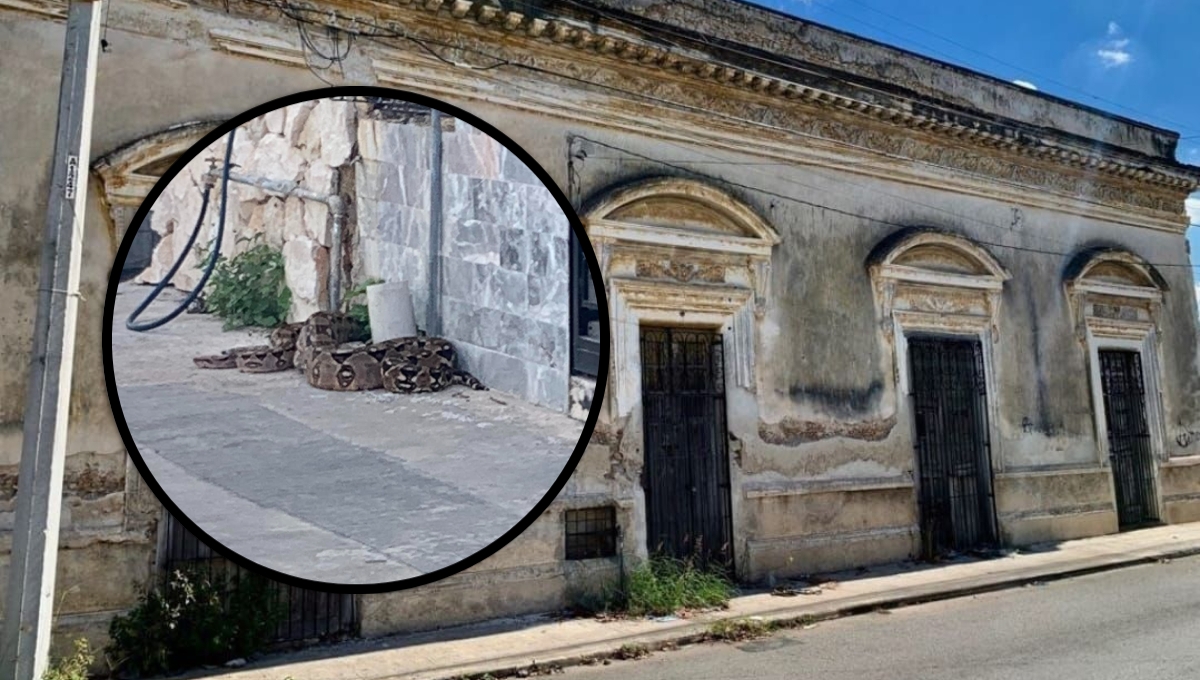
(316,347)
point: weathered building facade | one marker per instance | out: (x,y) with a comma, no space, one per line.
(862,304)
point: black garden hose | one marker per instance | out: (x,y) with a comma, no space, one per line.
(131,323)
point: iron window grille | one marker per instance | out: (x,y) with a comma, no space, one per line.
(591,533)
(585,315)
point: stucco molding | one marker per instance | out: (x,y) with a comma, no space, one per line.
(259,46)
(54,9)
(635,302)
(1116,299)
(610,44)
(633,224)
(1056,512)
(931,281)
(807,487)
(831,538)
(1141,337)
(934,279)
(797,132)
(755,229)
(120,171)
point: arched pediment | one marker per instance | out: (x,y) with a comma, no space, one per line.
(1114,271)
(674,205)
(931,256)
(130,172)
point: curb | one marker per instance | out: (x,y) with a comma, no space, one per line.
(611,649)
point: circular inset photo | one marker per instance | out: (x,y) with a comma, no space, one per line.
(341,335)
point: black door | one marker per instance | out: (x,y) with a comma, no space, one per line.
(687,465)
(953,458)
(1129,449)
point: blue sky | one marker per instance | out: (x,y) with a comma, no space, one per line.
(1135,58)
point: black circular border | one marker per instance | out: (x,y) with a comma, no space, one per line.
(580,235)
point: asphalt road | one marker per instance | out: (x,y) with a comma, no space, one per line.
(1133,624)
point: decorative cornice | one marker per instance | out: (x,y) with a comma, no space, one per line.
(257,45)
(118,169)
(54,9)
(988,135)
(1141,191)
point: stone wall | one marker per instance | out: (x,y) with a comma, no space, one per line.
(308,143)
(504,249)
(506,290)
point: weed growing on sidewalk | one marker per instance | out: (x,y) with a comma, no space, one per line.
(632,651)
(74,666)
(738,630)
(662,586)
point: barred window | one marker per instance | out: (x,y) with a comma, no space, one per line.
(591,533)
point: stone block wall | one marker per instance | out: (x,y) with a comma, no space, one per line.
(506,291)
(308,143)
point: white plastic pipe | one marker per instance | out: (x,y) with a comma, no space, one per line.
(390,307)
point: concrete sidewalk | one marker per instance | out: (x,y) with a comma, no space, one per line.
(504,648)
(338,487)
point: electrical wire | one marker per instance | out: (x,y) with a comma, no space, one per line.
(131,323)
(378,35)
(504,62)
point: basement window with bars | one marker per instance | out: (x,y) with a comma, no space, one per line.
(591,533)
(585,315)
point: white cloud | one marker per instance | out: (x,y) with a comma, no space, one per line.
(1026,84)
(1112,58)
(1114,53)
(1192,206)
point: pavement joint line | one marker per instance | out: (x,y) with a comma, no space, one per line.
(696,633)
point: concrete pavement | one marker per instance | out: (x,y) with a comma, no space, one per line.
(339,487)
(508,647)
(1135,623)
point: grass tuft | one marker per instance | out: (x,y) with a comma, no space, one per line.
(663,586)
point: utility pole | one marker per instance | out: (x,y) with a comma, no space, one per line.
(25,645)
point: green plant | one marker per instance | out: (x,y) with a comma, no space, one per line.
(249,289)
(74,666)
(631,651)
(735,630)
(662,585)
(197,618)
(353,305)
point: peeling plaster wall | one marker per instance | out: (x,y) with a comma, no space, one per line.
(827,436)
(144,85)
(823,448)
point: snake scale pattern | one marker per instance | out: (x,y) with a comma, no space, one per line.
(319,348)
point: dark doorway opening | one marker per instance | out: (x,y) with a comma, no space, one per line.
(953,452)
(686,479)
(1128,430)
